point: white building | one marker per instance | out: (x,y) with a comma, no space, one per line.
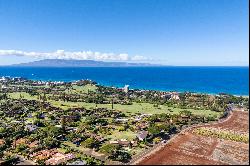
(175,96)
(126,88)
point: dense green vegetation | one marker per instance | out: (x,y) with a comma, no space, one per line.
(133,108)
(89,120)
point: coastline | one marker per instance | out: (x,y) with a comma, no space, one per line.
(63,87)
(199,80)
(149,89)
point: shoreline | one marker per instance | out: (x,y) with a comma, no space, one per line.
(144,89)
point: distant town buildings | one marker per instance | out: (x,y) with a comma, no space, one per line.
(175,96)
(2,79)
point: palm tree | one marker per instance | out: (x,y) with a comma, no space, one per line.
(63,122)
(112,103)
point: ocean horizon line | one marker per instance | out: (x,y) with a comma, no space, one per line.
(156,66)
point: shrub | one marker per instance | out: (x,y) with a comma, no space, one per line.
(222,134)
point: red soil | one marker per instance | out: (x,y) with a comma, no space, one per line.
(239,122)
(189,148)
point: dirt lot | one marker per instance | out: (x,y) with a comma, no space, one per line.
(239,122)
(189,148)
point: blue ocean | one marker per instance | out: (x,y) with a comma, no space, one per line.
(212,80)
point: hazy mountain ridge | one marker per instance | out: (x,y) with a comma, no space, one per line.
(79,63)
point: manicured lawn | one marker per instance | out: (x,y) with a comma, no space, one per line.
(61,150)
(86,88)
(145,108)
(81,89)
(75,89)
(135,108)
(40,86)
(16,95)
(86,151)
(129,135)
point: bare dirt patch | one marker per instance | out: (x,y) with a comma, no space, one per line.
(190,148)
(239,122)
(231,152)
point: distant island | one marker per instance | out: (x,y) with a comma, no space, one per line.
(79,63)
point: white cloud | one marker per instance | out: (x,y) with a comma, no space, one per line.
(80,55)
(140,58)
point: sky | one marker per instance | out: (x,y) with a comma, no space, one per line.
(169,32)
